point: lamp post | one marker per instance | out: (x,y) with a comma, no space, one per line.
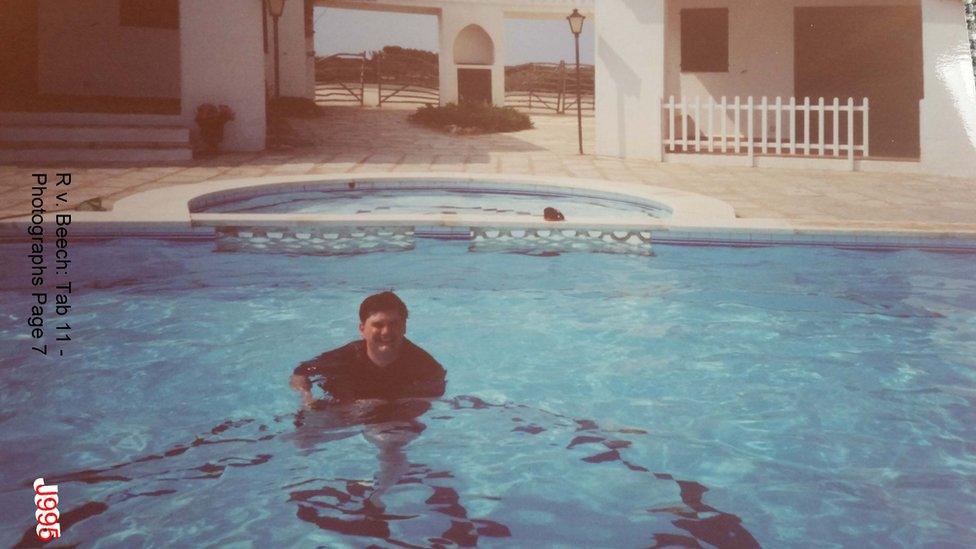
(576,26)
(275,8)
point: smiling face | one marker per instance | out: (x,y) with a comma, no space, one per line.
(383,332)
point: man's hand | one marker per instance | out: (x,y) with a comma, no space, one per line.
(304,387)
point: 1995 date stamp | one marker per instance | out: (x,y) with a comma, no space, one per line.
(46,513)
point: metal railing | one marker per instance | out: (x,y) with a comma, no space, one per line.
(405,79)
(344,77)
(341,77)
(548,86)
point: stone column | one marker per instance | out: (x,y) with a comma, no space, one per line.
(293,48)
(310,62)
(222,62)
(629,77)
(446,72)
(451,21)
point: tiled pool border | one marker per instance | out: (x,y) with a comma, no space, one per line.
(694,219)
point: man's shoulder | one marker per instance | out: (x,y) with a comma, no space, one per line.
(349,350)
(333,359)
(421,359)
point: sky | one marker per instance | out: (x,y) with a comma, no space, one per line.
(526,40)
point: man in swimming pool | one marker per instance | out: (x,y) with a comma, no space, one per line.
(384,364)
(372,374)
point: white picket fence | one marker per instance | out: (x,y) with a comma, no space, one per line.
(784,128)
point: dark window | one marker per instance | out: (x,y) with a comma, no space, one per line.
(157,14)
(705,40)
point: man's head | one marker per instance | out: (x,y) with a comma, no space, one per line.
(383,325)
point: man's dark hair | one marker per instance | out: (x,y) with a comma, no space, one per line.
(385,301)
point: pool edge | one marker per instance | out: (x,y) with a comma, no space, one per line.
(695,219)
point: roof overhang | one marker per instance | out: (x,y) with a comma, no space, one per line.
(527,9)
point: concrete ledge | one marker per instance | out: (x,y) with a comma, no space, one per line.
(826,163)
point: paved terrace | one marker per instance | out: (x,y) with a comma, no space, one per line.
(358,140)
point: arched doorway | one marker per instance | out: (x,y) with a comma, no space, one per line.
(474,49)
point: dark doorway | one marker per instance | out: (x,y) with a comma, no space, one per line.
(18,56)
(873,52)
(26,87)
(474,86)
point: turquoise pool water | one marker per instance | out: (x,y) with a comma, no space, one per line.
(440,201)
(725,397)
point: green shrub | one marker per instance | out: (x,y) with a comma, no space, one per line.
(480,117)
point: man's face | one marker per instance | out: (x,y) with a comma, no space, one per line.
(384,333)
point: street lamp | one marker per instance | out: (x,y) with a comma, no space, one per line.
(576,26)
(275,8)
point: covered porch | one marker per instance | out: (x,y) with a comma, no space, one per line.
(803,83)
(121,80)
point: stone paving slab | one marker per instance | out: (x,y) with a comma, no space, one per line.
(358,140)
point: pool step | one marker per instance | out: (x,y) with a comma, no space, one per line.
(443,233)
(91,143)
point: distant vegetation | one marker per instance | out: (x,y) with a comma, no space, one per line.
(472,118)
(971,23)
(396,52)
(392,63)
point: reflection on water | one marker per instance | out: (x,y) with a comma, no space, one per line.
(356,507)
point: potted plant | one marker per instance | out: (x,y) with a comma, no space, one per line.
(211,119)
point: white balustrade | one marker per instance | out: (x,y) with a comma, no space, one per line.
(735,137)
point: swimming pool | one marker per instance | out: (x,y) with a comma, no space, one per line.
(792,397)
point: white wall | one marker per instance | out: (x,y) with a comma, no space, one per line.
(224,64)
(760,50)
(948,111)
(451,21)
(629,77)
(82,50)
(760,47)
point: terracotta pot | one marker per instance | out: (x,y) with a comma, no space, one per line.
(212,133)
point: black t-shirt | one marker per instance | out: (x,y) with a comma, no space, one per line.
(347,373)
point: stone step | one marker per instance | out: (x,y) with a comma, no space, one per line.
(7,145)
(97,119)
(100,134)
(96,154)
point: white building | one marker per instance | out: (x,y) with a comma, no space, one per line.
(909,58)
(134,65)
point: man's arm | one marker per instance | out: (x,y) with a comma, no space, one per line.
(329,371)
(431,388)
(303,385)
(430,381)
(301,382)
